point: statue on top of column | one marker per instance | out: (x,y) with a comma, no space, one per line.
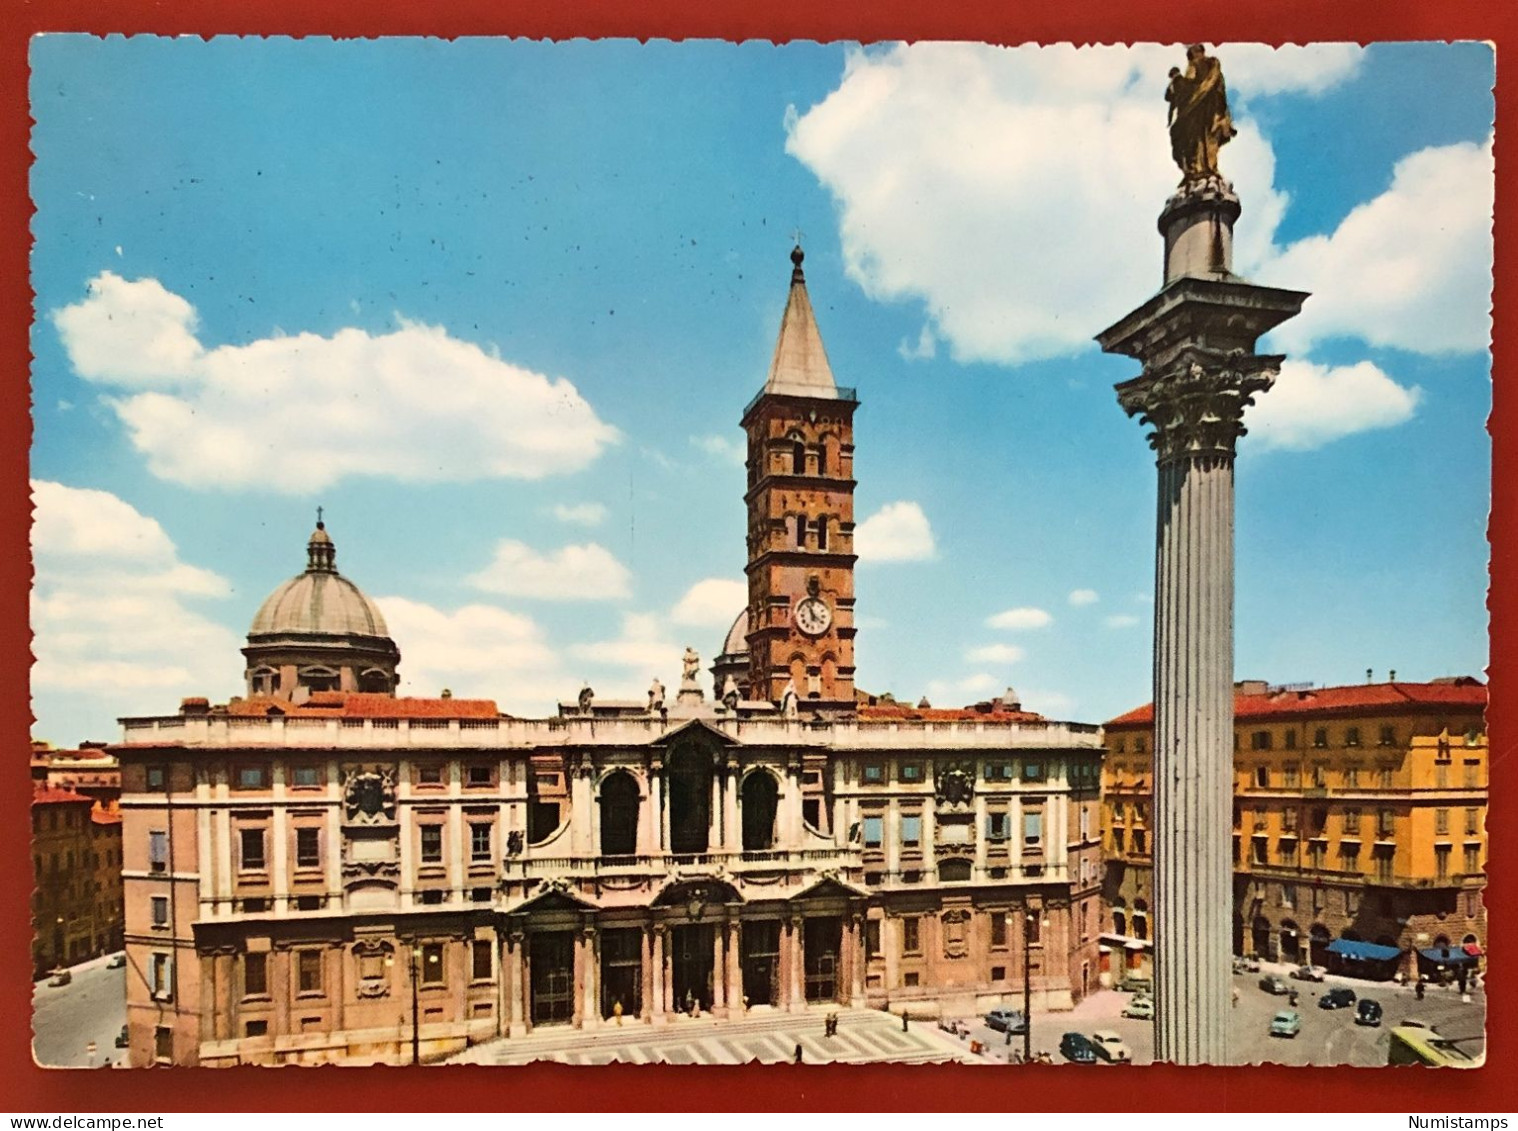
(1200,124)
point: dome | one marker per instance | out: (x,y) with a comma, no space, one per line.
(736,643)
(319,601)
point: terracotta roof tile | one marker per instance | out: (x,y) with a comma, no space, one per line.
(51,796)
(365,705)
(1354,698)
(886,711)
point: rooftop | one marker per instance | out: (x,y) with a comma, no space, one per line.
(1248,704)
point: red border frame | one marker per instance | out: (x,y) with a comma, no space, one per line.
(879,1087)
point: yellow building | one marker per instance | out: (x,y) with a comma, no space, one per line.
(1359,828)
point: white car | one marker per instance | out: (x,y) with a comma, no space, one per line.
(1109,1046)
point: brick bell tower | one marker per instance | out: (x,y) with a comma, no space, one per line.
(801,520)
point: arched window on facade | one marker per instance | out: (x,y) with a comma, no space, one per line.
(801,531)
(690,798)
(798,455)
(822,532)
(619,814)
(1120,917)
(375,680)
(265,681)
(319,679)
(761,801)
(1140,919)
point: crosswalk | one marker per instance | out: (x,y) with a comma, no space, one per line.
(863,1036)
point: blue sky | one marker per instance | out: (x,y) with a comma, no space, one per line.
(497,306)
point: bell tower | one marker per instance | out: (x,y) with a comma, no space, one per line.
(801,520)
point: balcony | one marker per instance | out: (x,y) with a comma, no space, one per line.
(737,863)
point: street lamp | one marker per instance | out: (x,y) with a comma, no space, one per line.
(416,1034)
(1030,918)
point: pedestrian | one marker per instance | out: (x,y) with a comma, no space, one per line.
(1236,997)
(1009,1036)
(798,1052)
(1418,990)
(903,1020)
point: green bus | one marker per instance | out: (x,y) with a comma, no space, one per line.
(1416,1044)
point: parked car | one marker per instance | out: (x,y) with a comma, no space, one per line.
(1309,973)
(1109,1046)
(1140,1009)
(1274,985)
(1076,1048)
(1007,1021)
(122,1040)
(117,961)
(1287,1023)
(60,977)
(1246,965)
(1340,997)
(1368,1012)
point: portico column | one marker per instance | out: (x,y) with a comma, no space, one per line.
(719,967)
(1195,340)
(592,976)
(734,969)
(517,988)
(716,828)
(656,798)
(646,995)
(659,1006)
(797,975)
(856,959)
(581,974)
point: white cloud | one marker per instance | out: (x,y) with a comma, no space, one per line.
(924,349)
(1258,68)
(725,448)
(478,651)
(897,532)
(644,645)
(572,573)
(951,161)
(1079,597)
(995,654)
(298,413)
(1312,404)
(1411,268)
(952,693)
(1121,620)
(580,514)
(1020,618)
(113,609)
(711,603)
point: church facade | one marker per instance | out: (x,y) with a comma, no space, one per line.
(322,871)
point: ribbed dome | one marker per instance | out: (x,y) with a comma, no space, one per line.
(737,637)
(320,601)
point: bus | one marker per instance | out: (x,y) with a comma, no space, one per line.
(1417,1044)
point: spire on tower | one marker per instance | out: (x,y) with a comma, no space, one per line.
(800,365)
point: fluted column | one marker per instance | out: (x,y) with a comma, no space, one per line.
(517,986)
(734,839)
(659,1006)
(1196,341)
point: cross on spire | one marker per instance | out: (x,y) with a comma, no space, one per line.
(319,519)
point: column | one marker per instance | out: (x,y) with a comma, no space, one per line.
(891,835)
(719,968)
(656,794)
(716,828)
(517,982)
(647,994)
(734,969)
(658,1006)
(591,977)
(582,976)
(798,963)
(580,815)
(890,944)
(980,837)
(1196,344)
(730,822)
(279,859)
(929,841)
(648,818)
(856,959)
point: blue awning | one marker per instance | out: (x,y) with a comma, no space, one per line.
(1363,951)
(1447,955)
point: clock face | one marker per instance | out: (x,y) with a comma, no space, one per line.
(813,616)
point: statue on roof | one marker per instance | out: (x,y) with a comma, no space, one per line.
(1200,124)
(692,664)
(656,695)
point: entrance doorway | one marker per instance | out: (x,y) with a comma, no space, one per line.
(690,799)
(622,971)
(553,977)
(692,959)
(759,952)
(823,941)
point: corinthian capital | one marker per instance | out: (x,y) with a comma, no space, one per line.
(1196,401)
